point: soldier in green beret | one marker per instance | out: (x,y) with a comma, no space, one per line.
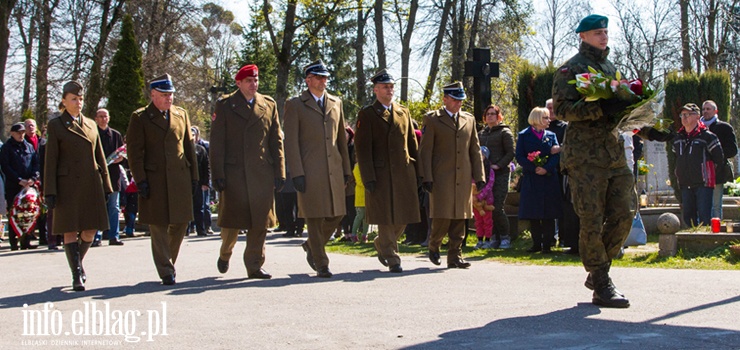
(602,185)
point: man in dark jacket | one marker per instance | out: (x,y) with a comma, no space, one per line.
(726,135)
(698,157)
(204,180)
(20,164)
(111,140)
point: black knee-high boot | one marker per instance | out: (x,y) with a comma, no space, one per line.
(73,259)
(84,247)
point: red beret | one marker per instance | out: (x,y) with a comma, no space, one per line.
(249,70)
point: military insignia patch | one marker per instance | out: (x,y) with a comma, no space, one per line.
(564,70)
(213,117)
(357,125)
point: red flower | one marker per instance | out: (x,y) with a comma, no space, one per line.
(636,86)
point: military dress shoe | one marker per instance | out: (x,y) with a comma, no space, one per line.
(309,256)
(115,242)
(260,274)
(324,272)
(459,264)
(222,265)
(396,268)
(168,280)
(95,244)
(434,258)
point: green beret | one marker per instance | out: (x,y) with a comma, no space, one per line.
(592,22)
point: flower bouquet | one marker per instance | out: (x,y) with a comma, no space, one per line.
(647,103)
(25,211)
(536,159)
(121,151)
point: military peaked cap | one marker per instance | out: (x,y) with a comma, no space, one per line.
(455,90)
(382,77)
(316,68)
(72,87)
(162,84)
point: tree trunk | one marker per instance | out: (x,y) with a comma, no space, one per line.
(360,55)
(42,66)
(379,38)
(406,49)
(434,68)
(6,7)
(711,49)
(458,40)
(27,42)
(94,91)
(685,44)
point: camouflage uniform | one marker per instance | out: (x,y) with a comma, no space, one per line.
(602,185)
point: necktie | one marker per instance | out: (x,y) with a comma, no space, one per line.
(320,102)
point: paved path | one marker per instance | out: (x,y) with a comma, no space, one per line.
(490,306)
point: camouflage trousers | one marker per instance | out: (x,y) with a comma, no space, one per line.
(603,200)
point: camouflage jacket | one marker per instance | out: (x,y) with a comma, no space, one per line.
(591,138)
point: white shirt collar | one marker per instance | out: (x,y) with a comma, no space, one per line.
(317,98)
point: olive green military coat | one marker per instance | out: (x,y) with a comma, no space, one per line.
(162,153)
(387,153)
(316,147)
(247,152)
(451,160)
(76,173)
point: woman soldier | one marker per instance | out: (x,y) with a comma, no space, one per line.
(76,180)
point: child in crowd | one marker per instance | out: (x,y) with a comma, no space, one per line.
(360,225)
(131,207)
(483,206)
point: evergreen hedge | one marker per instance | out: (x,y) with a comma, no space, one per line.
(126,79)
(533,89)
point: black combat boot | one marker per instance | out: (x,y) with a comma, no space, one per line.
(73,259)
(590,282)
(84,247)
(604,292)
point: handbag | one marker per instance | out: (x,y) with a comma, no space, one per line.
(638,235)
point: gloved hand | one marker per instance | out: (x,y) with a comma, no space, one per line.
(613,106)
(299,182)
(660,136)
(143,189)
(427,186)
(370,186)
(279,183)
(219,184)
(51,201)
(479,185)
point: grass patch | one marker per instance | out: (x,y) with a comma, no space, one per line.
(718,259)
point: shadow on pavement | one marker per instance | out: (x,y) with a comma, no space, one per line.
(574,329)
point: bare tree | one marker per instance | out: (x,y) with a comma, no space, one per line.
(556,23)
(362,16)
(293,20)
(26,17)
(434,67)
(405,32)
(6,8)
(46,9)
(649,40)
(110,15)
(379,33)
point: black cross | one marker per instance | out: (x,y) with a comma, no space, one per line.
(482,70)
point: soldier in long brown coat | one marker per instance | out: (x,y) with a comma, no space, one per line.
(162,160)
(450,159)
(387,155)
(76,180)
(316,154)
(246,159)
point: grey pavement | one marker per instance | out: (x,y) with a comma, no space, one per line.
(490,306)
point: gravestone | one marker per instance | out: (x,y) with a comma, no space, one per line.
(655,154)
(482,70)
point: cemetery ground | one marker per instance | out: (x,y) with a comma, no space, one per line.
(645,256)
